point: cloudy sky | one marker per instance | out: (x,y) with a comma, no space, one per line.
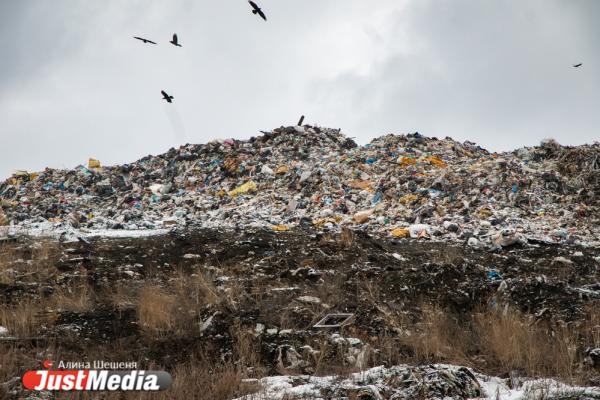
(74,83)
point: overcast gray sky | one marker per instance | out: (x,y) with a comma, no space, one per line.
(74,83)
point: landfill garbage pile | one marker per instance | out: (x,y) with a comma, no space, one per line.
(398,185)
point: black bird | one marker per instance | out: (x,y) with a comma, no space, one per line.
(144,40)
(167,97)
(256,10)
(577,65)
(174,41)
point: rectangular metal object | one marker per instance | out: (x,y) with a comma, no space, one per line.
(334,321)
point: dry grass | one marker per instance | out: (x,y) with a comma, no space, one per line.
(8,257)
(330,360)
(333,290)
(505,339)
(234,293)
(196,289)
(20,319)
(217,383)
(515,342)
(590,325)
(122,296)
(347,238)
(78,297)
(155,309)
(174,310)
(246,350)
(35,265)
(14,361)
(9,363)
(45,252)
(440,337)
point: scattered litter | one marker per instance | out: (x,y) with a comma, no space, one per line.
(93,163)
(308,300)
(562,260)
(494,276)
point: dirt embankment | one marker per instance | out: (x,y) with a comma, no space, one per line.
(211,305)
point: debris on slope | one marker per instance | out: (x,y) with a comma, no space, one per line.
(397,185)
(405,382)
(308,303)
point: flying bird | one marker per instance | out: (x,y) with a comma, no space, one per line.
(256,10)
(577,65)
(174,41)
(167,97)
(144,40)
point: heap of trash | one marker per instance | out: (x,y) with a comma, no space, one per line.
(402,186)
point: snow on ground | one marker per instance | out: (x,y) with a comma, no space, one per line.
(496,388)
(118,233)
(66,233)
(438,381)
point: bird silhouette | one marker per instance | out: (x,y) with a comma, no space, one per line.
(167,97)
(174,41)
(577,65)
(256,10)
(144,40)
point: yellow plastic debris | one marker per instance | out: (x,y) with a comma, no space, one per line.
(362,216)
(283,169)
(55,219)
(323,221)
(407,199)
(436,161)
(93,163)
(18,177)
(401,233)
(221,193)
(3,219)
(407,161)
(231,165)
(360,184)
(484,213)
(245,188)
(280,228)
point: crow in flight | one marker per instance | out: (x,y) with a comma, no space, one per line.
(256,10)
(144,40)
(577,65)
(167,97)
(174,41)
